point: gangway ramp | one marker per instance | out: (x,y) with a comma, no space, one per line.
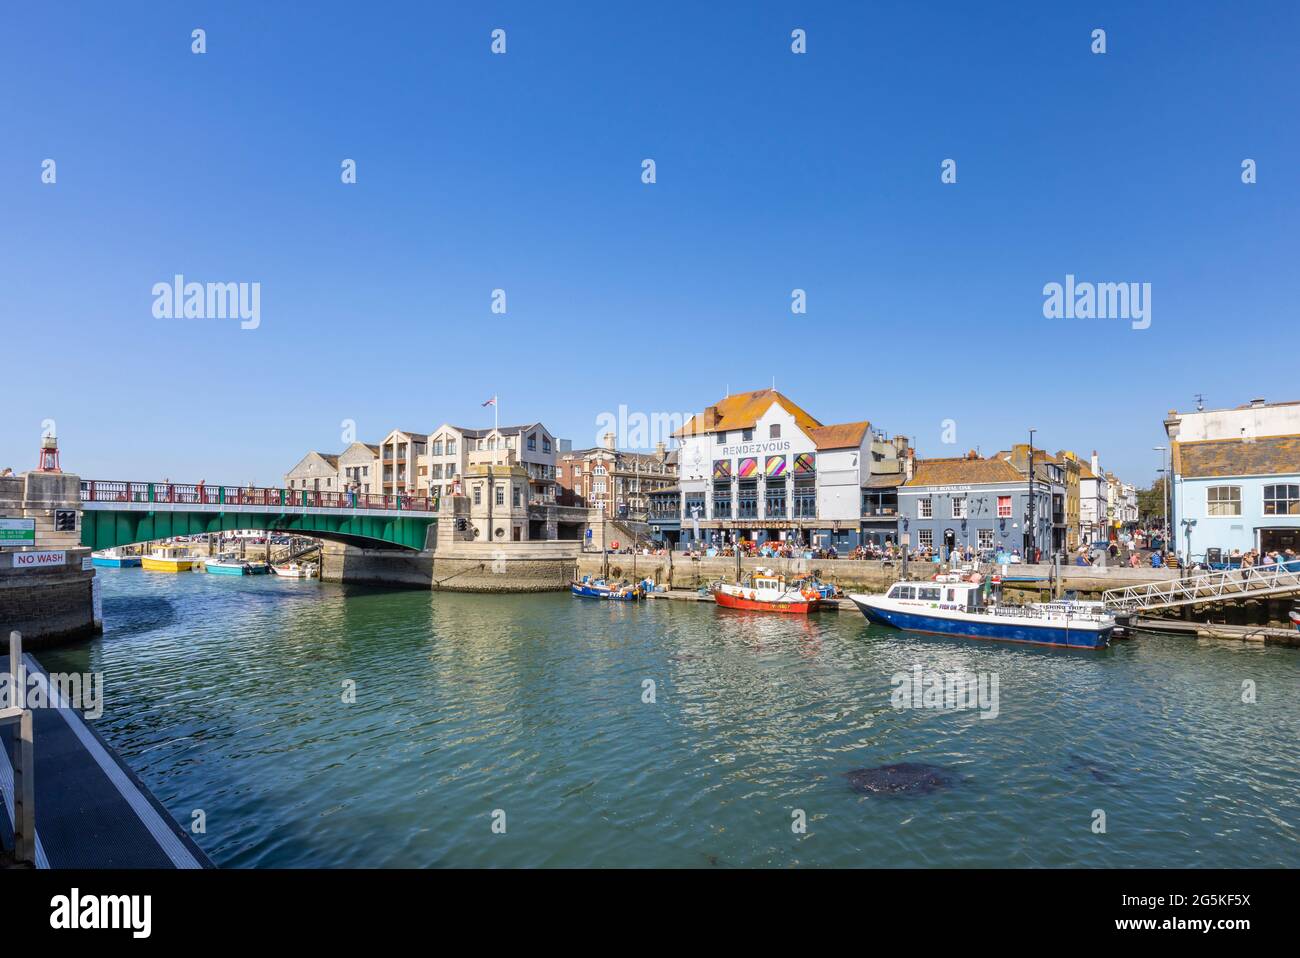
(1234,585)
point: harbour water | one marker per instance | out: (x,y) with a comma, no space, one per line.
(226,695)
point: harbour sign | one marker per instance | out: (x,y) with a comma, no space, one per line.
(23,560)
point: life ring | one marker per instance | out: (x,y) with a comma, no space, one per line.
(752,597)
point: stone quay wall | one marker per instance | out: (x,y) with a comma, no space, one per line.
(856,575)
(48,604)
(544,566)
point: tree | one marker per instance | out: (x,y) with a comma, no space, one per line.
(1151,502)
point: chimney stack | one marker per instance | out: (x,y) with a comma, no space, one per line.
(609,441)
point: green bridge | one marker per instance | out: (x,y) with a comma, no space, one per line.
(118,513)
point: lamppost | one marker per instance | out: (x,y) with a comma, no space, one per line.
(1165,490)
(1187,530)
(1031,526)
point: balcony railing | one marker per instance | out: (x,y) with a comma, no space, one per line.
(201,494)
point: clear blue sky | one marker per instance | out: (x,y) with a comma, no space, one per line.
(523,172)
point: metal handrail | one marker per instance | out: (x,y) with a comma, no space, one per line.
(202,494)
(1279,578)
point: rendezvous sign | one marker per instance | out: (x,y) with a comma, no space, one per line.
(17,532)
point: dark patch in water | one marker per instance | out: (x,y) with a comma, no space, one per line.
(682,658)
(137,614)
(914,778)
(1098,771)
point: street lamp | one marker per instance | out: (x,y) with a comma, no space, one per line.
(1187,530)
(1031,526)
(1164,501)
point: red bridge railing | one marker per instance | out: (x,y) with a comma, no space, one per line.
(202,494)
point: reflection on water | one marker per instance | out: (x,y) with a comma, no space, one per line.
(228,694)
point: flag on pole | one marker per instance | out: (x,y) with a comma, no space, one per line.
(491,402)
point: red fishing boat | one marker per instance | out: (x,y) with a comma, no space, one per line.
(768,592)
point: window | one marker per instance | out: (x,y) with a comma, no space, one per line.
(437,447)
(532,443)
(775,501)
(478,495)
(985,538)
(746,435)
(1283,500)
(959,507)
(925,538)
(1226,500)
(722,437)
(516,497)
(925,508)
(928,593)
(805,499)
(774,431)
(1004,508)
(598,485)
(722,500)
(546,444)
(451,447)
(435,471)
(501,496)
(748,500)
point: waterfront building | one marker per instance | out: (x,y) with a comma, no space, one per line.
(512,498)
(1235,477)
(357,466)
(1049,479)
(617,482)
(1236,494)
(981,504)
(756,466)
(399,454)
(665,515)
(1094,521)
(317,471)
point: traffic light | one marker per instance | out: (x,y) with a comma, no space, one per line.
(65,520)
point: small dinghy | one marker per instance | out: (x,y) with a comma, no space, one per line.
(589,588)
(295,571)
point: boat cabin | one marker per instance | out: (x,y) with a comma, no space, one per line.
(948,595)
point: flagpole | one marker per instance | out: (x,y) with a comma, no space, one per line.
(496,414)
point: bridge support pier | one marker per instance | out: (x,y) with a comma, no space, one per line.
(47,584)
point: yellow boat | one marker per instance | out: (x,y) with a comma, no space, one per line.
(168,559)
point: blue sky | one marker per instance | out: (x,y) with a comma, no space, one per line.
(775,171)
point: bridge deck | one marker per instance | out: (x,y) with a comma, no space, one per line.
(91,810)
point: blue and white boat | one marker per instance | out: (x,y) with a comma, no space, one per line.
(114,559)
(589,588)
(954,605)
(227,564)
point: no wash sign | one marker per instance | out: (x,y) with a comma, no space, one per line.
(28,560)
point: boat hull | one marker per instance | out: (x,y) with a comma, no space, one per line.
(587,592)
(216,569)
(728,601)
(121,562)
(995,628)
(150,564)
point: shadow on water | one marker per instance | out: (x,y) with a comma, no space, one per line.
(136,615)
(1102,773)
(905,778)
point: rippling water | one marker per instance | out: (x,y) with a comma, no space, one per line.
(225,695)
